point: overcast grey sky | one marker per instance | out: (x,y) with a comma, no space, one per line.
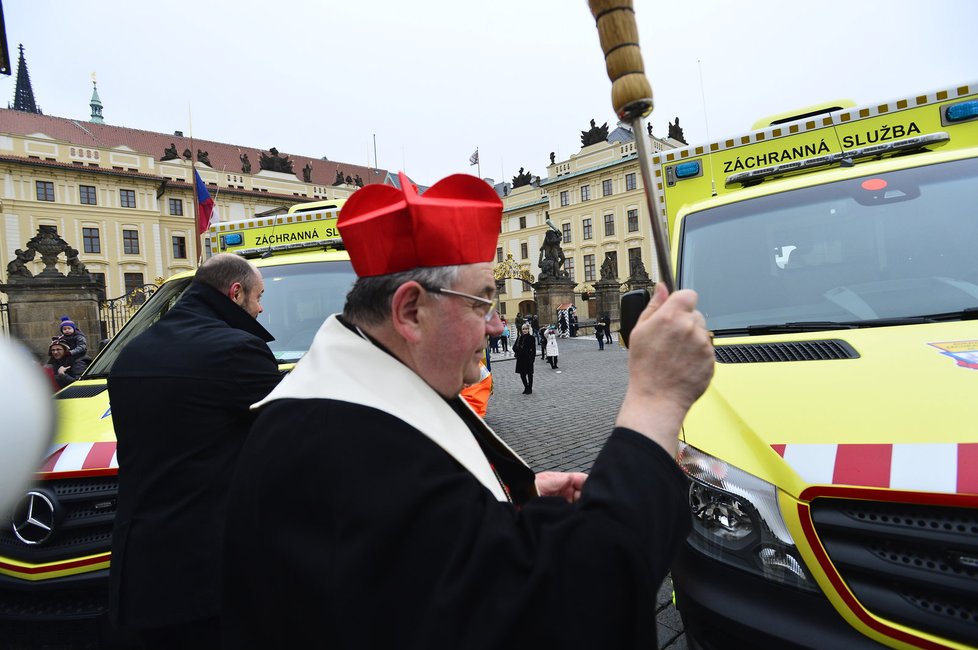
(434,79)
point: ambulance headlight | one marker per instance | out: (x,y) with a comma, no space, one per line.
(737,520)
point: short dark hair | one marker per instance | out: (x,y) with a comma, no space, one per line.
(224,269)
(369,301)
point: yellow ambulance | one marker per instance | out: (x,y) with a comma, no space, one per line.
(54,552)
(833,462)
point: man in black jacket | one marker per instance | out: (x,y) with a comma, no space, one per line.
(371,508)
(180,393)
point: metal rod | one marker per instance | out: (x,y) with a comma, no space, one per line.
(659,239)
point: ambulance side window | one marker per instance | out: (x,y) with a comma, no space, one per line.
(159,304)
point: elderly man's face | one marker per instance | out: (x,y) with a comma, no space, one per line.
(455,338)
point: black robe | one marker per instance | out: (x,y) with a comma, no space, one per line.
(349,528)
(180,393)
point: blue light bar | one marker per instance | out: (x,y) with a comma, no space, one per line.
(688,169)
(962,111)
(233,239)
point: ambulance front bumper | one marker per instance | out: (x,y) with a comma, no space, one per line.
(723,607)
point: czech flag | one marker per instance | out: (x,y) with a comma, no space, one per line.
(205,204)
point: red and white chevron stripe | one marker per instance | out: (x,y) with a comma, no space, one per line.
(79,456)
(950,468)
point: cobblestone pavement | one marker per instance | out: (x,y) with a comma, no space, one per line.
(566,420)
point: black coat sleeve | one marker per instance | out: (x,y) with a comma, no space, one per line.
(347,525)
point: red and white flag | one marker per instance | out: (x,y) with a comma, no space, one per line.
(205,204)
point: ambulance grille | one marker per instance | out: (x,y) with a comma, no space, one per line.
(84,511)
(72,392)
(915,565)
(793,351)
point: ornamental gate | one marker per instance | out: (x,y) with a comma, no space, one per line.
(116,312)
(510,269)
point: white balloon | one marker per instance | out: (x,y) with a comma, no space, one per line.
(28,420)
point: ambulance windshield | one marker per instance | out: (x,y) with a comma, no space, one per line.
(297,299)
(898,245)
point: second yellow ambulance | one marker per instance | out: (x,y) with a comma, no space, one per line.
(833,462)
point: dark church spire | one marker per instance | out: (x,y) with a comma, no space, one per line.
(23,93)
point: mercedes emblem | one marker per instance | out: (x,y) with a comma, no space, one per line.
(33,518)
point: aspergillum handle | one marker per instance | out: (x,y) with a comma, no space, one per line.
(631,92)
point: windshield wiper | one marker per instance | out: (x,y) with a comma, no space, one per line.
(969,313)
(780,328)
(894,320)
(816,326)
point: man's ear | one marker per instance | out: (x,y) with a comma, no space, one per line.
(235,291)
(407,306)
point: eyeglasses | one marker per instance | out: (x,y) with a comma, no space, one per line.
(485,305)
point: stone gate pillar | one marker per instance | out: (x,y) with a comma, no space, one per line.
(36,303)
(550,293)
(607,291)
(608,294)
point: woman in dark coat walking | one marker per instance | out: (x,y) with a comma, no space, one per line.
(525,349)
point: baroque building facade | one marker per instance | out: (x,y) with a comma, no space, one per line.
(596,199)
(124,197)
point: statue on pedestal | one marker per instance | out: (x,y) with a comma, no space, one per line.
(551,255)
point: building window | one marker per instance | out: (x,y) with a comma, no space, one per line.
(179,247)
(613,257)
(502,308)
(522,223)
(100,283)
(130,242)
(127,198)
(91,241)
(569,267)
(630,181)
(501,288)
(564,198)
(45,190)
(499,254)
(86,193)
(606,187)
(634,259)
(609,225)
(524,250)
(589,268)
(585,192)
(176,207)
(633,220)
(588,233)
(134,281)
(566,228)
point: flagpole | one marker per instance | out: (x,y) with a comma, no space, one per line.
(193,186)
